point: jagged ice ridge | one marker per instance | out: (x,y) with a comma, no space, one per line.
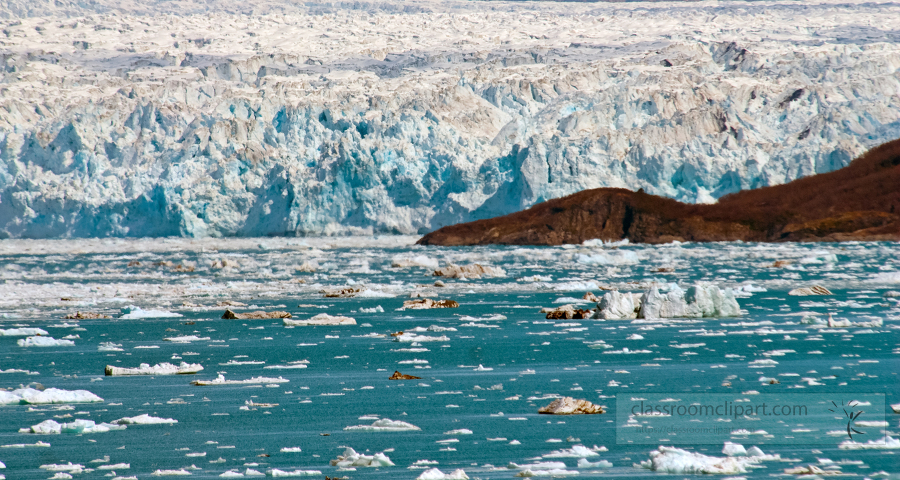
(258,118)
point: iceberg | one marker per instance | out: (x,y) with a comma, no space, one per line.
(412,337)
(144,419)
(616,305)
(676,460)
(435,474)
(77,427)
(320,319)
(571,406)
(274,472)
(220,380)
(30,396)
(22,332)
(698,301)
(132,312)
(577,451)
(384,425)
(44,342)
(158,369)
(884,443)
(352,459)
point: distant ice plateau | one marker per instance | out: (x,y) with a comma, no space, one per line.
(255,118)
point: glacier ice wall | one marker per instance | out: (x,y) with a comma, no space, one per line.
(268,118)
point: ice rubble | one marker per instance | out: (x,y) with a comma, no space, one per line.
(44,342)
(698,301)
(412,337)
(384,425)
(320,319)
(524,110)
(469,271)
(30,396)
(436,474)
(78,426)
(158,369)
(885,443)
(352,459)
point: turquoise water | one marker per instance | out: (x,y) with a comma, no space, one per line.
(347,374)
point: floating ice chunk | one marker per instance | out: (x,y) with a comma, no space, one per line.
(435,474)
(232,474)
(183,339)
(144,419)
(78,427)
(22,332)
(405,261)
(556,472)
(158,369)
(469,271)
(676,460)
(171,473)
(884,443)
(618,306)
(620,257)
(26,445)
(66,467)
(698,301)
(274,472)
(132,312)
(290,450)
(44,342)
(384,425)
(220,380)
(734,450)
(109,347)
(482,368)
(584,463)
(896,407)
(571,406)
(26,396)
(538,466)
(813,290)
(412,337)
(461,431)
(577,451)
(320,319)
(377,309)
(635,336)
(352,459)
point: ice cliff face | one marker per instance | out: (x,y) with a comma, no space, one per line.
(260,118)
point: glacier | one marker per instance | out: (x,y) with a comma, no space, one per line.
(256,118)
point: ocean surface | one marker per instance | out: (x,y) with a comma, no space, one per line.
(476,404)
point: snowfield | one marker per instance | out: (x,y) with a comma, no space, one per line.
(162,118)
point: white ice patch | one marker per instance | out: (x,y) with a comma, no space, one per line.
(132,312)
(25,396)
(158,369)
(77,427)
(435,474)
(144,419)
(44,342)
(21,332)
(384,425)
(352,459)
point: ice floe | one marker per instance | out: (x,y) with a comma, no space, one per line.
(79,426)
(220,380)
(44,342)
(435,474)
(132,312)
(320,319)
(351,458)
(384,425)
(144,419)
(26,396)
(158,369)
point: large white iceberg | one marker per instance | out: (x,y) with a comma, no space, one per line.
(132,312)
(144,419)
(21,332)
(352,459)
(158,369)
(676,460)
(384,425)
(44,342)
(412,337)
(26,396)
(79,426)
(321,319)
(435,474)
(220,380)
(616,305)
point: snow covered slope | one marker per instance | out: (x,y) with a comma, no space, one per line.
(258,117)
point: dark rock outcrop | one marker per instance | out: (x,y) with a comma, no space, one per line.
(402,376)
(858,202)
